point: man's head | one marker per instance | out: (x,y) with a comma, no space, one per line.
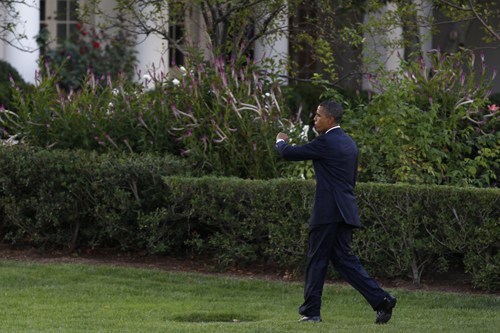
(328,115)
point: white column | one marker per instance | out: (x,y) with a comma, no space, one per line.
(152,55)
(152,50)
(376,52)
(23,53)
(275,46)
(425,10)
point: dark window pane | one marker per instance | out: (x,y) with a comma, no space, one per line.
(61,10)
(42,10)
(61,32)
(176,57)
(73,10)
(73,32)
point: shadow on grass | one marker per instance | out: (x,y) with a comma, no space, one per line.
(211,317)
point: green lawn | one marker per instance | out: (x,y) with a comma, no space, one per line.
(85,298)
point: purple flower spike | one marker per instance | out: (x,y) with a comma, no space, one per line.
(174,109)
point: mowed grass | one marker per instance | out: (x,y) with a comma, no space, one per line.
(86,298)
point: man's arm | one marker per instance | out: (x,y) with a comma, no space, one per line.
(310,151)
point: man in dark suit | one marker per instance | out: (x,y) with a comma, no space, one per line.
(334,214)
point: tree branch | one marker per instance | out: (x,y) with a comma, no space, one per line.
(485,25)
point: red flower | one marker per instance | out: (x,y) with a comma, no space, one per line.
(493,108)
(96,45)
(80,28)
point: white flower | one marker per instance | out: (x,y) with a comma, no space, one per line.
(147,82)
(109,111)
(305,130)
(10,141)
(115,91)
(183,70)
(176,82)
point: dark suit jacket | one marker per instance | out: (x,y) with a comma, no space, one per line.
(335,160)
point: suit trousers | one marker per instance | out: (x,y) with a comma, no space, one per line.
(332,242)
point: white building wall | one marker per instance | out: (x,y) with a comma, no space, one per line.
(23,53)
(152,55)
(375,53)
(276,47)
(152,50)
(425,10)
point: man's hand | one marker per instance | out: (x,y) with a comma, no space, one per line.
(281,136)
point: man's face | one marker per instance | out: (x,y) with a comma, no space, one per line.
(322,120)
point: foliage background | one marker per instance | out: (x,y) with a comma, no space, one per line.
(88,51)
(223,118)
(8,75)
(429,125)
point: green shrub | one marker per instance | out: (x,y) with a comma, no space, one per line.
(222,118)
(242,221)
(423,229)
(114,117)
(429,125)
(88,50)
(10,79)
(409,230)
(79,199)
(225,116)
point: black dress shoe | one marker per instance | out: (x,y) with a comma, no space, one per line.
(312,319)
(384,311)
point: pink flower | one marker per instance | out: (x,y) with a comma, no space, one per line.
(493,108)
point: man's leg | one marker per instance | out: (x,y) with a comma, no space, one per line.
(318,257)
(349,266)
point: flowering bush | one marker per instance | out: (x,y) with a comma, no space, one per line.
(223,118)
(430,125)
(9,76)
(9,79)
(88,51)
(103,115)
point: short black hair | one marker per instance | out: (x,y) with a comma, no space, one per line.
(333,109)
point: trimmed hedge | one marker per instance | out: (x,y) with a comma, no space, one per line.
(415,228)
(408,229)
(78,200)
